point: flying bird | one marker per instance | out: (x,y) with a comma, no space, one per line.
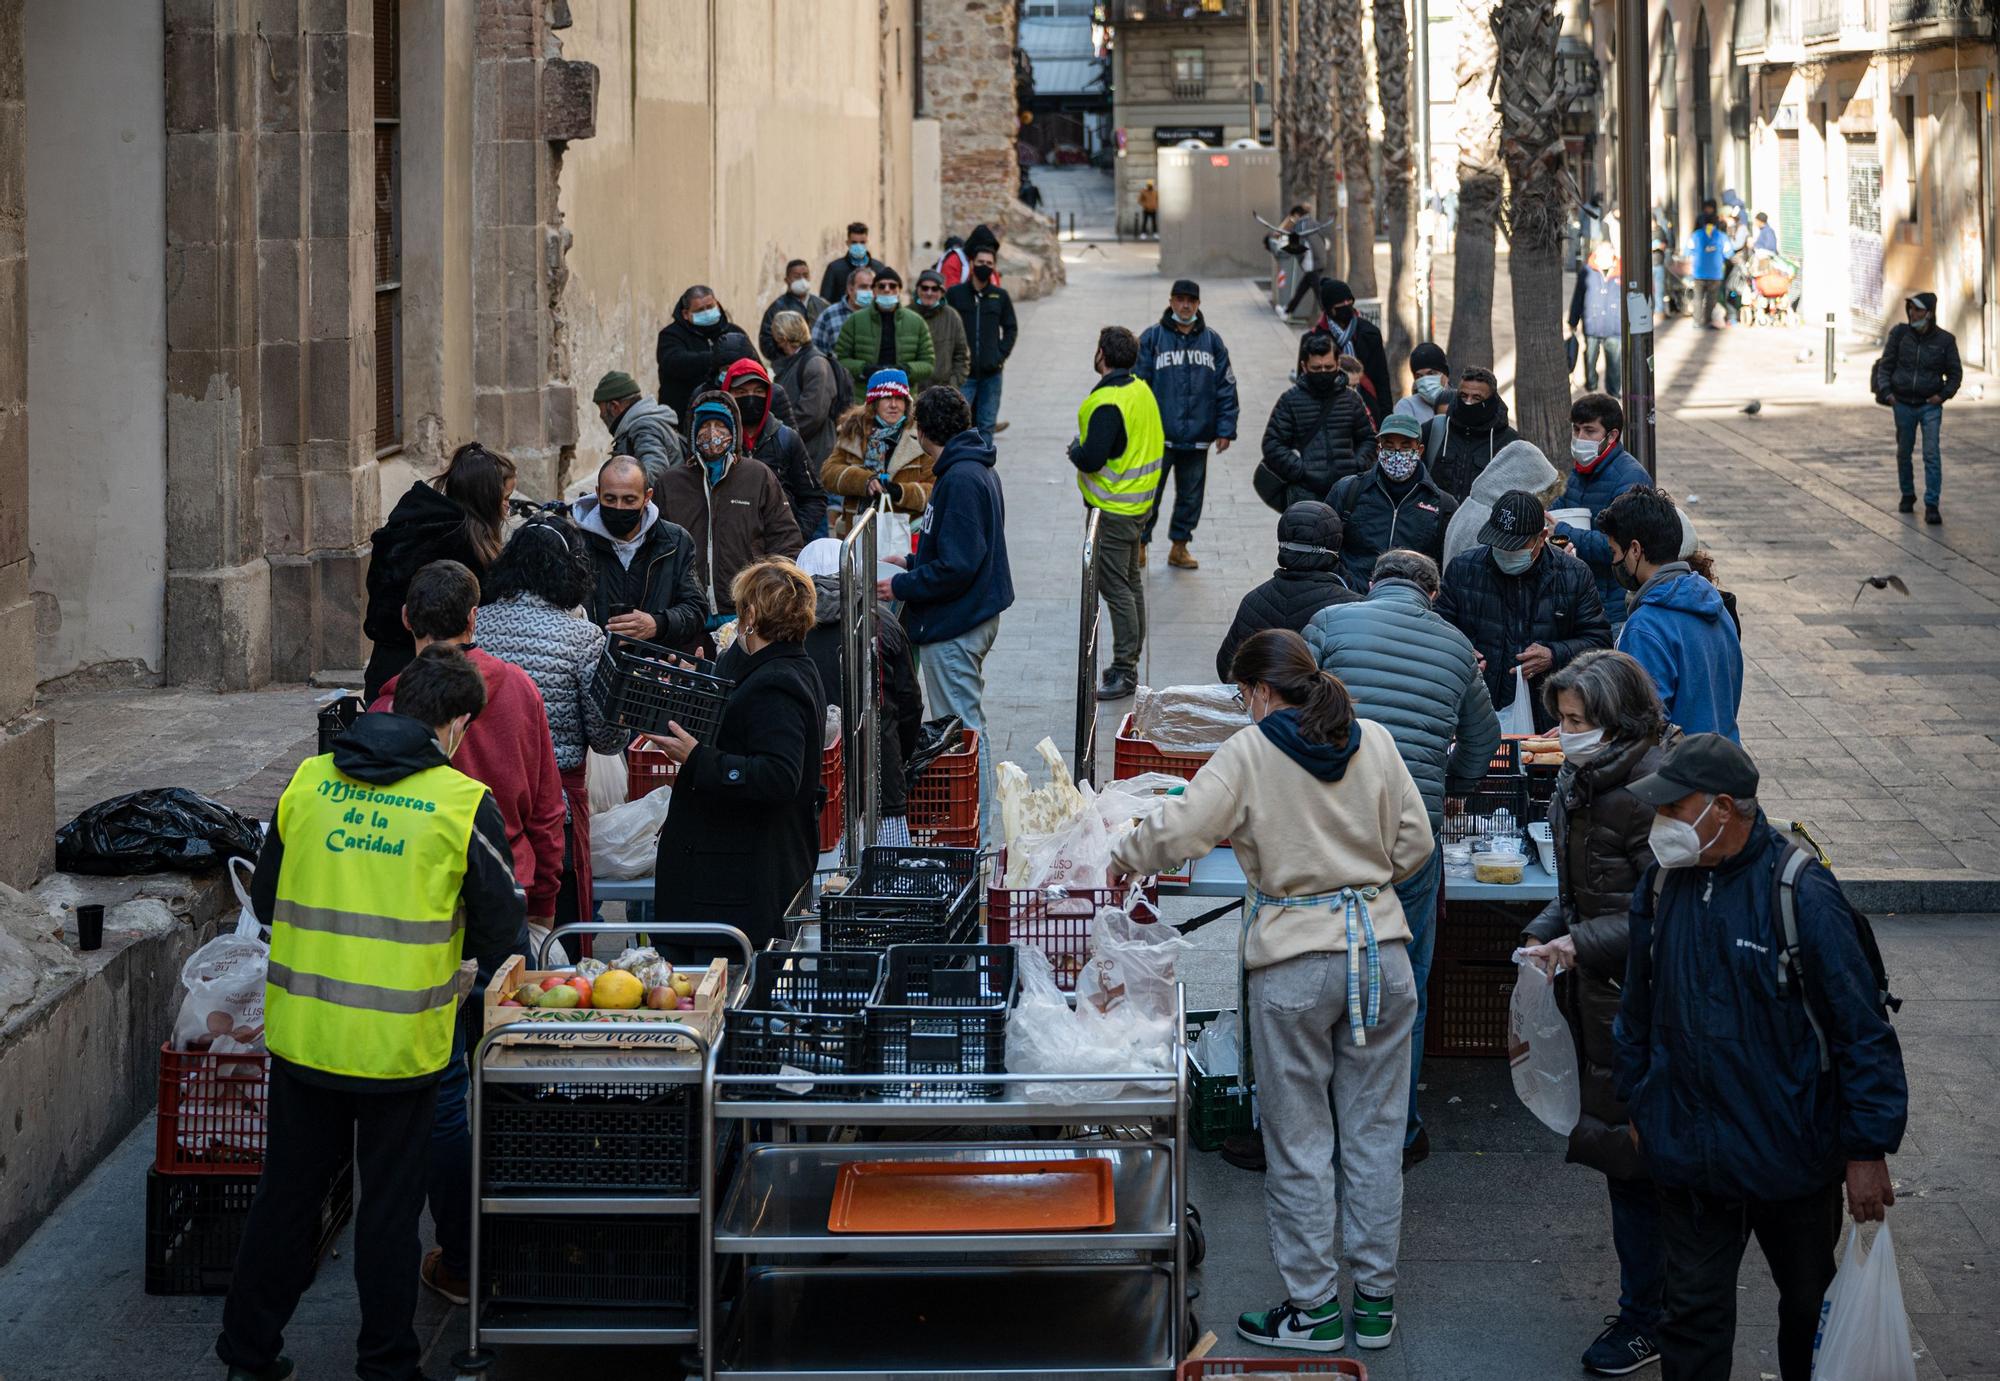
(1881,582)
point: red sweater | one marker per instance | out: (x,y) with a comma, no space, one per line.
(508,748)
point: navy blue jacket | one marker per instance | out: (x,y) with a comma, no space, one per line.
(1613,475)
(958,576)
(1191,380)
(1721,1075)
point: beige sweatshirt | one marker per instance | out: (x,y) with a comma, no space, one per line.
(1297,836)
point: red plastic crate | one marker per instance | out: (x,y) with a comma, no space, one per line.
(647,770)
(1058,927)
(1202,1368)
(1131,756)
(943,809)
(212,1112)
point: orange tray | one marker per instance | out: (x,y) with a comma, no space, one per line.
(972,1196)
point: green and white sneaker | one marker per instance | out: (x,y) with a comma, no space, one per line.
(1374,1320)
(1321,1330)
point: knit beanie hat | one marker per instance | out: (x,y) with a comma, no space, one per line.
(615,387)
(1428,355)
(888,383)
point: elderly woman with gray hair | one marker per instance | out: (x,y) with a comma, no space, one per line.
(1612,731)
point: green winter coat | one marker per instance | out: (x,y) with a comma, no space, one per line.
(860,347)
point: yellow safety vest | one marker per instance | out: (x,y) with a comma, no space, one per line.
(1127,481)
(369,929)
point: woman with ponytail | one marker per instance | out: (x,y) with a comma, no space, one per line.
(1324,818)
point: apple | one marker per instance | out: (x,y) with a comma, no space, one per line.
(508,1002)
(687,1004)
(582,986)
(662,999)
(552,980)
(683,985)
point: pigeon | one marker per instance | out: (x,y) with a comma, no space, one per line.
(1881,582)
(1753,407)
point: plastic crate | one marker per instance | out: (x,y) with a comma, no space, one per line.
(1132,756)
(590,1138)
(640,686)
(904,896)
(805,1010)
(943,807)
(1486,931)
(942,1009)
(194,1225)
(1058,925)
(1468,1007)
(640,1262)
(647,770)
(1507,757)
(212,1109)
(336,717)
(1218,1105)
(1541,791)
(1202,1368)
(833,780)
(1468,815)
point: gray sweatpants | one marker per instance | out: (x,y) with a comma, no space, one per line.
(1298,1027)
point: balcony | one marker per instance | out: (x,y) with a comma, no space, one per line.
(1945,18)
(1195,89)
(1141,11)
(1842,25)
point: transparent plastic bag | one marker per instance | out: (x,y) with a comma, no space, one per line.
(1864,1331)
(1188,719)
(625,840)
(1518,718)
(224,1007)
(1119,1023)
(1540,1050)
(605,774)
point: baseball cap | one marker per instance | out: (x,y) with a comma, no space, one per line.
(1401,424)
(1517,519)
(1186,287)
(1708,763)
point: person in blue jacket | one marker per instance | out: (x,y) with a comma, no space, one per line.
(1759,1081)
(1183,360)
(1708,251)
(958,582)
(1595,306)
(1600,470)
(1677,625)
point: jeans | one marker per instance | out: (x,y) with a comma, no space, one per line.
(955,683)
(984,395)
(1149,222)
(1613,350)
(1189,468)
(1121,584)
(1419,896)
(1910,416)
(450,1183)
(1706,291)
(309,1130)
(1642,1260)
(1704,1239)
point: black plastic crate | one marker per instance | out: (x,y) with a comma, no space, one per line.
(591,1138)
(904,897)
(806,1011)
(640,686)
(1484,931)
(1469,815)
(194,1225)
(1218,1104)
(336,717)
(643,1262)
(942,1009)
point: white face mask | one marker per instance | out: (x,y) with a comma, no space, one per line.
(1676,843)
(1573,744)
(1583,452)
(801,286)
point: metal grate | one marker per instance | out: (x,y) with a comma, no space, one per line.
(1864,235)
(1791,201)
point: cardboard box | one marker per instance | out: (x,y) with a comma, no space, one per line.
(597,1027)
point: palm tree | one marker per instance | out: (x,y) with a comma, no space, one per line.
(1479,187)
(1541,197)
(1319,154)
(1392,81)
(1351,96)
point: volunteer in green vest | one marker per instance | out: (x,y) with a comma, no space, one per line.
(383,869)
(1118,454)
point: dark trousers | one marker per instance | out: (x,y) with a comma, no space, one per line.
(1706,292)
(1189,471)
(1149,222)
(309,1129)
(449,1184)
(1642,1264)
(1308,283)
(1704,1239)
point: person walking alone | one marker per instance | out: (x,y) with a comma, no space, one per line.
(990,330)
(1595,307)
(1119,448)
(1918,373)
(1183,360)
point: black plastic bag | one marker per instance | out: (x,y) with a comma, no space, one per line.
(162,830)
(936,738)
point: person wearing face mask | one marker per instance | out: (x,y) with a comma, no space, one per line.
(1612,728)
(1318,432)
(1430,384)
(990,329)
(1918,372)
(1755,1055)
(1324,819)
(1353,334)
(950,348)
(820,387)
(796,295)
(1678,626)
(1464,439)
(1519,465)
(641,428)
(696,346)
(886,336)
(859,296)
(731,503)
(1596,306)
(1183,360)
(645,585)
(369,922)
(776,444)
(1307,580)
(878,455)
(1394,504)
(1600,470)
(833,283)
(1523,603)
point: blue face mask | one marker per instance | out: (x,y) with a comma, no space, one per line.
(864,298)
(857,254)
(1188,319)
(707,316)
(887,301)
(1514,562)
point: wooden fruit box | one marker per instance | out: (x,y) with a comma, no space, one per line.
(598,1027)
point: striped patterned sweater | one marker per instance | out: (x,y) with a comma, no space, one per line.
(559,651)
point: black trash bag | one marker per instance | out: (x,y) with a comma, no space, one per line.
(162,830)
(936,738)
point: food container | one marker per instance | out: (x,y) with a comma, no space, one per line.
(1545,845)
(1458,860)
(1497,869)
(1578,518)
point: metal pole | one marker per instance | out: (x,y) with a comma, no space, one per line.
(860,722)
(1256,126)
(1420,56)
(1635,209)
(1829,347)
(1085,761)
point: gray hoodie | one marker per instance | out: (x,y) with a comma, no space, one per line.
(1518,465)
(648,432)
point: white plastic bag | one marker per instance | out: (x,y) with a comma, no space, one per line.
(1120,1023)
(605,775)
(625,840)
(892,530)
(1540,1050)
(1218,1050)
(1864,1332)
(1519,717)
(224,1007)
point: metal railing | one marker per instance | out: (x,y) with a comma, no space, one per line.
(1087,633)
(859,724)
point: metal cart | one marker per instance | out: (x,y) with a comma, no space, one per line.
(1110,1304)
(495,1320)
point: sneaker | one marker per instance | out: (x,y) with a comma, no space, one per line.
(1374,1320)
(1931,516)
(1619,1349)
(1907,504)
(1417,1151)
(279,1370)
(1245,1151)
(442,1281)
(1319,1330)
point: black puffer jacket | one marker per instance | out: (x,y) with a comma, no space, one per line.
(1917,366)
(1310,444)
(1554,602)
(1455,454)
(691,359)
(423,527)
(1377,516)
(1307,580)
(900,700)
(1600,831)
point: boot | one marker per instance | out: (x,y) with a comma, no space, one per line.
(1179,557)
(1142,556)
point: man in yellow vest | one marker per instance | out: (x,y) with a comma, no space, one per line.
(384,868)
(1118,453)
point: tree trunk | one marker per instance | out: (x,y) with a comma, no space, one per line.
(1541,197)
(1291,163)
(1351,96)
(1392,77)
(1479,188)
(1319,152)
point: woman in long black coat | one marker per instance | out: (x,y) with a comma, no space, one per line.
(742,830)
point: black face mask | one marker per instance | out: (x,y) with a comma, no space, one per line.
(1476,416)
(1321,385)
(620,522)
(1343,315)
(1624,577)
(982,273)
